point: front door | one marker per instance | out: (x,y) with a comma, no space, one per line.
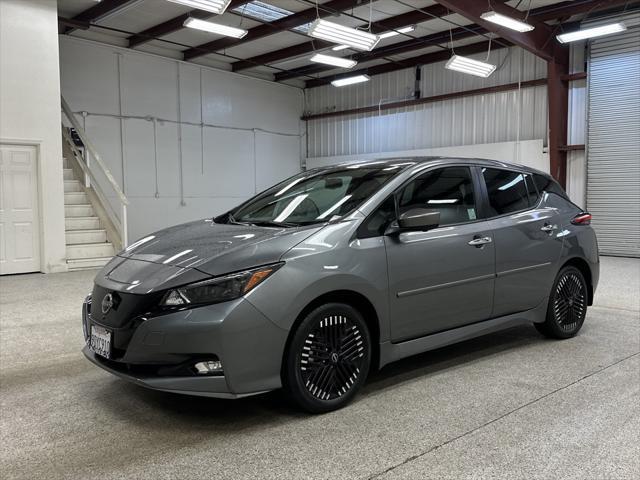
(442,278)
(19,224)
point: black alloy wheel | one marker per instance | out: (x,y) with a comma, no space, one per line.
(328,359)
(567,305)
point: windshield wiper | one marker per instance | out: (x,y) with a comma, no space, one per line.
(271,223)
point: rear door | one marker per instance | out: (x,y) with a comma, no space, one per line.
(527,237)
(442,278)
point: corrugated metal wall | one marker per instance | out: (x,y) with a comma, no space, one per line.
(613,169)
(464,121)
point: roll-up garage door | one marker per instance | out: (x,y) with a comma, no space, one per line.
(613,157)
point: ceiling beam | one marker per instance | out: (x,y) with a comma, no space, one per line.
(412,62)
(174,24)
(281,25)
(384,25)
(549,12)
(540,41)
(98,11)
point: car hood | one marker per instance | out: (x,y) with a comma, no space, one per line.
(216,249)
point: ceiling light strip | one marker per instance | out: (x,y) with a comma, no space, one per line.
(215,28)
(334,61)
(213,6)
(508,22)
(342,82)
(591,32)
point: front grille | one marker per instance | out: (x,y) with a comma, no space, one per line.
(126,306)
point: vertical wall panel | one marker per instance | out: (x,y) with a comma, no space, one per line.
(238,134)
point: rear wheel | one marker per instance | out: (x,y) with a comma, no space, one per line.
(567,305)
(328,359)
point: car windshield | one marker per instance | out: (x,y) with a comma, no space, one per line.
(314,197)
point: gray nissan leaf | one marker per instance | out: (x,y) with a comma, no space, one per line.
(337,271)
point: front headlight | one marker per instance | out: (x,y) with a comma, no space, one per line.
(219,289)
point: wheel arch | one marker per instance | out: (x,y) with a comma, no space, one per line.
(355,300)
(584,268)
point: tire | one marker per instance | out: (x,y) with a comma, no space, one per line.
(328,358)
(567,305)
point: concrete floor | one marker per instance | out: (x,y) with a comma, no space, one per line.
(508,405)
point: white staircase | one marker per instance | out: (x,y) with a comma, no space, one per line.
(87,244)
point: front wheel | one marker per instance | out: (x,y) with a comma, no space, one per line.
(567,305)
(328,358)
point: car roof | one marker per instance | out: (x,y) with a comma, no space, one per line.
(409,162)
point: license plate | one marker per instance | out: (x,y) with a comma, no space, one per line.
(100,341)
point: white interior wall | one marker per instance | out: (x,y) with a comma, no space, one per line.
(184,141)
(30,109)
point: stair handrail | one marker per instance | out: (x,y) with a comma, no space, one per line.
(91,149)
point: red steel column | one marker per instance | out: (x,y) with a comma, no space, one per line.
(558,98)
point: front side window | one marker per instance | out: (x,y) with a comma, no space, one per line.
(507,191)
(314,197)
(448,190)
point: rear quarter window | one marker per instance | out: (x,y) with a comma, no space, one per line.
(549,185)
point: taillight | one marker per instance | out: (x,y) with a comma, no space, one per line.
(583,218)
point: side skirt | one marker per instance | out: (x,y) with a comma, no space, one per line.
(391,352)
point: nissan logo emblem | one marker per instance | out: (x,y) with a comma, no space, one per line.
(107,303)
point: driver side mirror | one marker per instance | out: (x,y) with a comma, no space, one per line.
(420,219)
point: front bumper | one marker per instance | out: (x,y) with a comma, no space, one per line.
(248,344)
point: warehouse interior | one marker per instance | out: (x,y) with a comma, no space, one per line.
(119,118)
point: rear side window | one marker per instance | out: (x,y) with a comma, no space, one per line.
(547,184)
(507,191)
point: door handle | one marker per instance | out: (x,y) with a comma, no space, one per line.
(480,241)
(548,228)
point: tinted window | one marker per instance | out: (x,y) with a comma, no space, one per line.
(507,191)
(447,190)
(547,184)
(378,221)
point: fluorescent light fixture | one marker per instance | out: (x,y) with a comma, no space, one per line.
(591,32)
(505,21)
(340,47)
(341,82)
(470,66)
(333,32)
(215,28)
(335,61)
(393,33)
(442,201)
(213,6)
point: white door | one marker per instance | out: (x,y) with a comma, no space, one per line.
(19,223)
